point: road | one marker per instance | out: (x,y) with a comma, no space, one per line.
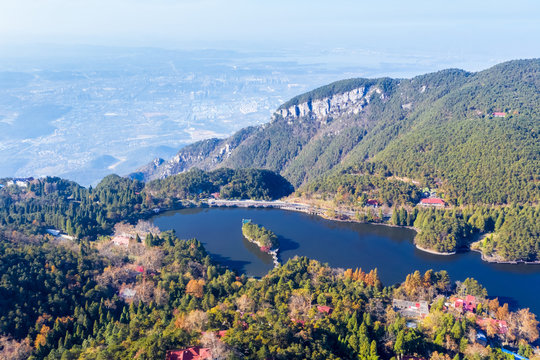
(310,209)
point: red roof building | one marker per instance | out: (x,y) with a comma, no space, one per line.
(499,114)
(500,325)
(325,309)
(467,304)
(192,353)
(372,202)
(432,202)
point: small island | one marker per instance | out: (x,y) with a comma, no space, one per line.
(265,239)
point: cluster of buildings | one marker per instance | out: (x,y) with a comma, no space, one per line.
(466,304)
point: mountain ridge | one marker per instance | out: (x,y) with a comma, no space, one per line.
(384,121)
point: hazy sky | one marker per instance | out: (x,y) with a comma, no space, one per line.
(508,29)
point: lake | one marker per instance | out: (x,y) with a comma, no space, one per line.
(346,245)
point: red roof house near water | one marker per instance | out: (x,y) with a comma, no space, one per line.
(499,114)
(192,353)
(432,202)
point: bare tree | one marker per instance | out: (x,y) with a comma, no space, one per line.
(152,259)
(218,349)
(196,321)
(14,350)
(116,276)
(144,228)
(299,304)
(161,296)
(245,304)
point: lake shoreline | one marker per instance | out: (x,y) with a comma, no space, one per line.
(340,244)
(434,252)
(495,260)
(320,212)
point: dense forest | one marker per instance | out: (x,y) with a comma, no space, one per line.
(230,184)
(85,213)
(513,231)
(62,204)
(179,298)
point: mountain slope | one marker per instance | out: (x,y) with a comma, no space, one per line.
(435,128)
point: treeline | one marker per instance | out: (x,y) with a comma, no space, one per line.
(52,202)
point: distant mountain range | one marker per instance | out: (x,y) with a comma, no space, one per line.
(475,135)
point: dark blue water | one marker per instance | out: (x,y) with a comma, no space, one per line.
(345,245)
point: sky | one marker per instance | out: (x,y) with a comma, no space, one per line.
(500,29)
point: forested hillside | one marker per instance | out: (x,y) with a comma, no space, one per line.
(87,212)
(475,135)
(98,302)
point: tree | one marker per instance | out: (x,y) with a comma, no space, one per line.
(398,346)
(195,288)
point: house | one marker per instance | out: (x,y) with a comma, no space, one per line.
(121,240)
(53,232)
(432,202)
(411,308)
(325,309)
(481,338)
(156,210)
(372,202)
(192,353)
(467,304)
(221,333)
(500,325)
(215,195)
(499,114)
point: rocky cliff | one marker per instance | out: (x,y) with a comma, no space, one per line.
(349,102)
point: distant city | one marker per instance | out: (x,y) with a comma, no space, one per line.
(86,113)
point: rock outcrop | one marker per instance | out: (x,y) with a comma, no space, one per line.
(350,102)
